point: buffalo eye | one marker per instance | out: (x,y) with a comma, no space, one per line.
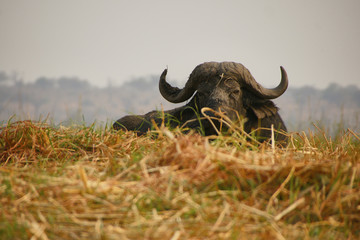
(235,92)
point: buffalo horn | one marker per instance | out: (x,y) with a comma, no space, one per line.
(266,93)
(174,94)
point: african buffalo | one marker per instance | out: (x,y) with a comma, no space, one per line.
(226,87)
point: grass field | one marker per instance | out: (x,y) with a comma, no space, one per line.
(95,183)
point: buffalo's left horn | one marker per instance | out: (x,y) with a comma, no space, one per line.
(267,93)
(174,94)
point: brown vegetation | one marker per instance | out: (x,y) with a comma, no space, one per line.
(88,183)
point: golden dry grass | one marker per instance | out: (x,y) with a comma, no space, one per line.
(88,183)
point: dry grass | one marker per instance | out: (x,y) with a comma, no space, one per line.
(88,183)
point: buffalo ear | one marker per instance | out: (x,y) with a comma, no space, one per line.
(264,109)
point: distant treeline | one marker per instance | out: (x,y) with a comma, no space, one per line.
(69,100)
(332,107)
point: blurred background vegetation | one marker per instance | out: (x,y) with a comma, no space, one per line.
(71,100)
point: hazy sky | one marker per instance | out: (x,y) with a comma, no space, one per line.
(317,41)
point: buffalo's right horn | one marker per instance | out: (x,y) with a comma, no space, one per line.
(174,94)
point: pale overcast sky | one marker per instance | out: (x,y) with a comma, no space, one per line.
(317,41)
